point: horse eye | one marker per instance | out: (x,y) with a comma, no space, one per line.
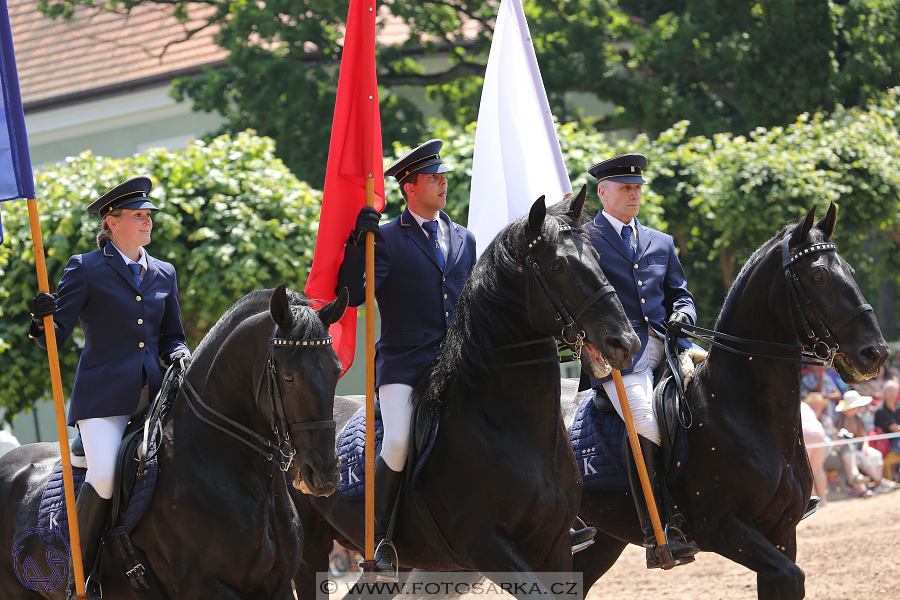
(555,266)
(288,377)
(817,277)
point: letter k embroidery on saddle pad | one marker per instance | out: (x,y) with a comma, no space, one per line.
(352,451)
(597,437)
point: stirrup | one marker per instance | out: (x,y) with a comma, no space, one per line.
(585,539)
(393,575)
(684,558)
(812,507)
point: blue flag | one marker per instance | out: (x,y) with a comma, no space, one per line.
(16,179)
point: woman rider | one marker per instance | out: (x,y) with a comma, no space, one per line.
(127,304)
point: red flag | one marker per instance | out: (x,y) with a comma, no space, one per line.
(353,156)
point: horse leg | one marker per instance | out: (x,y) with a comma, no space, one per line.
(497,557)
(597,559)
(767,589)
(737,540)
(318,540)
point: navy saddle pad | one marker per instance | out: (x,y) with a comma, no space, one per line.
(597,437)
(352,451)
(53,503)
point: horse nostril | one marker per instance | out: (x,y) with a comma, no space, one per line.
(870,354)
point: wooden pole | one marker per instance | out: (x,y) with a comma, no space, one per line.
(370,379)
(56,383)
(662,550)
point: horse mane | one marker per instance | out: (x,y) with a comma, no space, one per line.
(249,305)
(740,282)
(489,307)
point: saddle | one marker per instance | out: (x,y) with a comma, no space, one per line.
(136,475)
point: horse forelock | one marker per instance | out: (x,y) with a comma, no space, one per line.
(489,306)
(735,292)
(305,323)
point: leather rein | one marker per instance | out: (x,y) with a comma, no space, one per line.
(815,348)
(281,449)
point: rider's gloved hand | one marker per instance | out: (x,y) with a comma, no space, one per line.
(43,305)
(182,357)
(366,221)
(677,319)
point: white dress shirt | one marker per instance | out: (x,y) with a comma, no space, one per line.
(443,233)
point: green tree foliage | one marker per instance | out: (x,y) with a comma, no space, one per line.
(722,65)
(232,219)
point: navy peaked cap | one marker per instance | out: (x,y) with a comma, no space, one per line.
(625,169)
(131,195)
(424,159)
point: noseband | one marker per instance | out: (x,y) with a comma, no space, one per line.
(572,334)
(278,422)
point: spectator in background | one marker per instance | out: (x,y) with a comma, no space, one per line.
(869,459)
(814,433)
(7,440)
(895,358)
(816,380)
(887,417)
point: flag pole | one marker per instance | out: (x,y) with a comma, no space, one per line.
(662,549)
(371,89)
(56,383)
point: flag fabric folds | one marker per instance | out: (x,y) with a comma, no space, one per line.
(16,179)
(354,155)
(517,156)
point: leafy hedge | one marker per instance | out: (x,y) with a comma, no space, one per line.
(232,219)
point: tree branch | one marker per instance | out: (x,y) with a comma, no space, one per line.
(392,78)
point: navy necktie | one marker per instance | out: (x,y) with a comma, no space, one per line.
(136,273)
(629,242)
(431,228)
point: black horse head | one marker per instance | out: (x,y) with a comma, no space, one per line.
(836,301)
(570,266)
(307,376)
(273,346)
(500,303)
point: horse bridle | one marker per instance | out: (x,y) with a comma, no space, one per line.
(278,422)
(815,348)
(572,334)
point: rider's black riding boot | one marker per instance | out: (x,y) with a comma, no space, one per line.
(387,486)
(652,460)
(93,512)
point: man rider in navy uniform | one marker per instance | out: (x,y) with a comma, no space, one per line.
(644,269)
(422,260)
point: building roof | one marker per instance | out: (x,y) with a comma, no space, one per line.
(101,50)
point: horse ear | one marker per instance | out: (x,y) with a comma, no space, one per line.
(827,224)
(578,204)
(280,308)
(334,310)
(802,230)
(537,214)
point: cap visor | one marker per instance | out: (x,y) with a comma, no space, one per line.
(626,179)
(138,204)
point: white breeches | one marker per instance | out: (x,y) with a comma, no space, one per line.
(101,438)
(639,390)
(396,412)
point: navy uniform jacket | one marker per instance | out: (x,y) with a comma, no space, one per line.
(651,287)
(416,299)
(126,330)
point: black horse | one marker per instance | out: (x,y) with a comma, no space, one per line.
(748,479)
(501,481)
(221,523)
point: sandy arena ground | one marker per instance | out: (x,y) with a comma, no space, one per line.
(848,551)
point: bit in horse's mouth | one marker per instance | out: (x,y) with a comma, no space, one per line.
(599,365)
(843,361)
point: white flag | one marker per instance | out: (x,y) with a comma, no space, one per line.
(517,158)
